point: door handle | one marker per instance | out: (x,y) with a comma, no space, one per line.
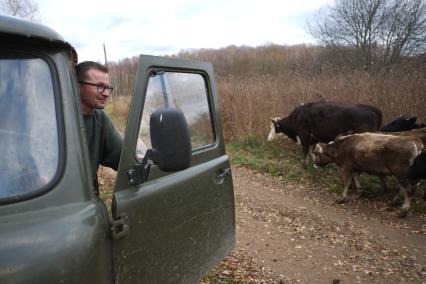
(221,175)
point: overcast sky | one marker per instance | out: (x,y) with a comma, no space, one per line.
(163,27)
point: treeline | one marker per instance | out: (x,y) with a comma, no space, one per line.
(307,59)
(255,84)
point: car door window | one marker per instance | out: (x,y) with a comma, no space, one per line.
(185,91)
(28,128)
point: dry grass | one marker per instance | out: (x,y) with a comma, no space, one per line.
(248,103)
(118,110)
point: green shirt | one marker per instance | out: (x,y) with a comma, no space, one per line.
(104,141)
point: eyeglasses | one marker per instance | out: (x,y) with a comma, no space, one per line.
(99,87)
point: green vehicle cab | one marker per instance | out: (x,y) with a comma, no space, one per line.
(173,215)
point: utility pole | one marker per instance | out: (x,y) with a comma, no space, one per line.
(115,92)
(105,54)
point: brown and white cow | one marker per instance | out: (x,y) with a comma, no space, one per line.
(372,153)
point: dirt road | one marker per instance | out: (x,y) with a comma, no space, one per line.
(299,235)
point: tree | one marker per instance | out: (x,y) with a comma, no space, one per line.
(379,32)
(26,9)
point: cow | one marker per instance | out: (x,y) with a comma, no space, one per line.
(402,123)
(372,153)
(323,121)
(418,169)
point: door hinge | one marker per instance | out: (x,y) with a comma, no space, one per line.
(120,227)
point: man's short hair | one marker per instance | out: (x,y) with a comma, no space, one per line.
(82,68)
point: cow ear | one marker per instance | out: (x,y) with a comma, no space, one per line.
(318,149)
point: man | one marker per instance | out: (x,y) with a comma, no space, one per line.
(104,141)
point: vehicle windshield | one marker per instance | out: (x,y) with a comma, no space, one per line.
(28,127)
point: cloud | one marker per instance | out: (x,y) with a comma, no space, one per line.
(129,28)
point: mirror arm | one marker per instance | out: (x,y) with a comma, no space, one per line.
(139,173)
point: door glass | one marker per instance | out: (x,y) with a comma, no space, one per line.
(28,128)
(185,91)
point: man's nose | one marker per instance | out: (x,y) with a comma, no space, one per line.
(105,93)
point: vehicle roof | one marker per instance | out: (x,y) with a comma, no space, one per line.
(31,30)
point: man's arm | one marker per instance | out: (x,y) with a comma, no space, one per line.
(113,145)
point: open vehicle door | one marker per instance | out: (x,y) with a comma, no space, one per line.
(173,205)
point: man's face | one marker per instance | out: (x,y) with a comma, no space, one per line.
(89,96)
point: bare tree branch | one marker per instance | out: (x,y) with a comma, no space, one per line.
(26,9)
(381,32)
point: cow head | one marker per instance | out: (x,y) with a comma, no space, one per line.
(283,127)
(400,124)
(275,126)
(320,156)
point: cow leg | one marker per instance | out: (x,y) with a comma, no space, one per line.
(408,193)
(397,199)
(311,154)
(356,185)
(306,162)
(347,180)
(356,181)
(413,185)
(306,150)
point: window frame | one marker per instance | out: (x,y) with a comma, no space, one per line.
(198,149)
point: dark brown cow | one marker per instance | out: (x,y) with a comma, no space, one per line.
(418,168)
(372,153)
(402,123)
(324,121)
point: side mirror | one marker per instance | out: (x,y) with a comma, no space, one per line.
(171,145)
(170,140)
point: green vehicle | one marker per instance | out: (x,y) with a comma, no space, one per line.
(172,217)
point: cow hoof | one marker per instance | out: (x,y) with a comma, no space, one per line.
(341,200)
(402,213)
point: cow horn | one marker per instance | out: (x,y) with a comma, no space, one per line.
(275,119)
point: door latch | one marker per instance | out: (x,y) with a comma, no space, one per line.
(120,227)
(221,174)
